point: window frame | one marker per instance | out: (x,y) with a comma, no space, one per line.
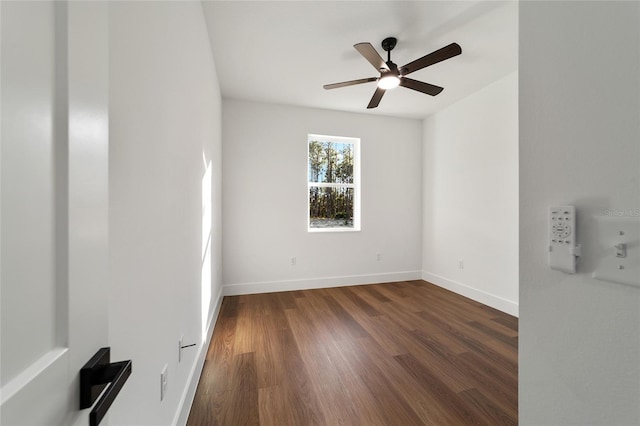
(356,185)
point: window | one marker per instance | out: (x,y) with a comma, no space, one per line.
(334,183)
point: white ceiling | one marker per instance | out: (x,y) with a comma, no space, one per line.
(284,51)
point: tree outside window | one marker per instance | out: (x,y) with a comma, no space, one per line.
(333,183)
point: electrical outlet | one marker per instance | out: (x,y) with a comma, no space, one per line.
(378,257)
(164,381)
(293,261)
(460,264)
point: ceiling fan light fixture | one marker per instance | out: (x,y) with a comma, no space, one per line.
(388,81)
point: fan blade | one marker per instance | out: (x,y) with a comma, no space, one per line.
(371,55)
(439,55)
(349,83)
(375,100)
(420,86)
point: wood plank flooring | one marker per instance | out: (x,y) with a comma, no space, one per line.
(405,353)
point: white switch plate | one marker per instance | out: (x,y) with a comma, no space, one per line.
(164,381)
(614,230)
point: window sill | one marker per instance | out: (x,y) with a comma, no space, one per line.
(324,230)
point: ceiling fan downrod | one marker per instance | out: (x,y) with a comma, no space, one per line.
(388,44)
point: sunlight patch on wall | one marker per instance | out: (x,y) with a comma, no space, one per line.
(206,249)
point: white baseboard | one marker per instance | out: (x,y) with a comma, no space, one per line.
(184,407)
(313,283)
(488,299)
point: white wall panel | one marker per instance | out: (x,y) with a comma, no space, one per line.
(265,199)
(164,176)
(579,145)
(470,209)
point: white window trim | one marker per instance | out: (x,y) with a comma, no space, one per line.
(356,185)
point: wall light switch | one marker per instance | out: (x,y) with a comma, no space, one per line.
(619,250)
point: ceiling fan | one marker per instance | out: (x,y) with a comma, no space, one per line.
(391,75)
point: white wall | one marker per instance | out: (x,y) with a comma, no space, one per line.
(579,144)
(470,204)
(265,200)
(165,111)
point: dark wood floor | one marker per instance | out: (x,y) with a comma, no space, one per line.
(406,353)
